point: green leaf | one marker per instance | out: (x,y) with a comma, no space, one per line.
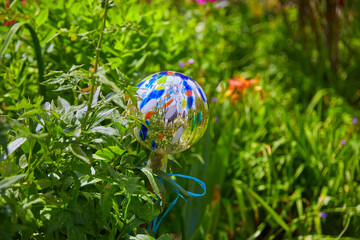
(146,211)
(166,237)
(104,154)
(105,130)
(117,150)
(12,147)
(75,67)
(43,16)
(120,128)
(118,99)
(100,116)
(137,63)
(315,100)
(8,182)
(8,38)
(141,237)
(78,152)
(106,205)
(132,185)
(156,185)
(109,153)
(101,74)
(23,161)
(66,87)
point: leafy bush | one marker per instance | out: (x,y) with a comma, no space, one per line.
(279,159)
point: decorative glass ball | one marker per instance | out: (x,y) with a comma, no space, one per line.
(173,112)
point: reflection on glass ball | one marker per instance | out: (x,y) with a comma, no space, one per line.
(174,112)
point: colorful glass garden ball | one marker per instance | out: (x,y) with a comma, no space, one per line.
(174,112)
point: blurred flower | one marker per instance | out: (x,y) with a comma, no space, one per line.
(8,23)
(176,236)
(216,195)
(222,4)
(23,2)
(182,64)
(323,215)
(191,61)
(73,37)
(238,86)
(354,121)
(214,99)
(216,118)
(260,90)
(201,2)
(343,142)
(87,89)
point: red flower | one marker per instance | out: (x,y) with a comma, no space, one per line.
(238,86)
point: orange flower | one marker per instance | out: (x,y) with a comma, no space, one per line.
(73,37)
(160,136)
(87,89)
(238,86)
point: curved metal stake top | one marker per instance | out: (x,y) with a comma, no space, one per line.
(157,161)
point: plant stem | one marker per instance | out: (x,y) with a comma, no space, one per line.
(157,161)
(97,50)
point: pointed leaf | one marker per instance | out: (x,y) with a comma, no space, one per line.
(103,79)
(156,185)
(8,38)
(8,182)
(78,152)
(141,237)
(101,115)
(12,147)
(105,130)
(166,237)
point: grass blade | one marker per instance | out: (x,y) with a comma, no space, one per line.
(267,207)
(39,59)
(8,38)
(37,50)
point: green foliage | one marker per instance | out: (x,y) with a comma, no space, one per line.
(279,159)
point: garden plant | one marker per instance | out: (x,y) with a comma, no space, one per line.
(280,154)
